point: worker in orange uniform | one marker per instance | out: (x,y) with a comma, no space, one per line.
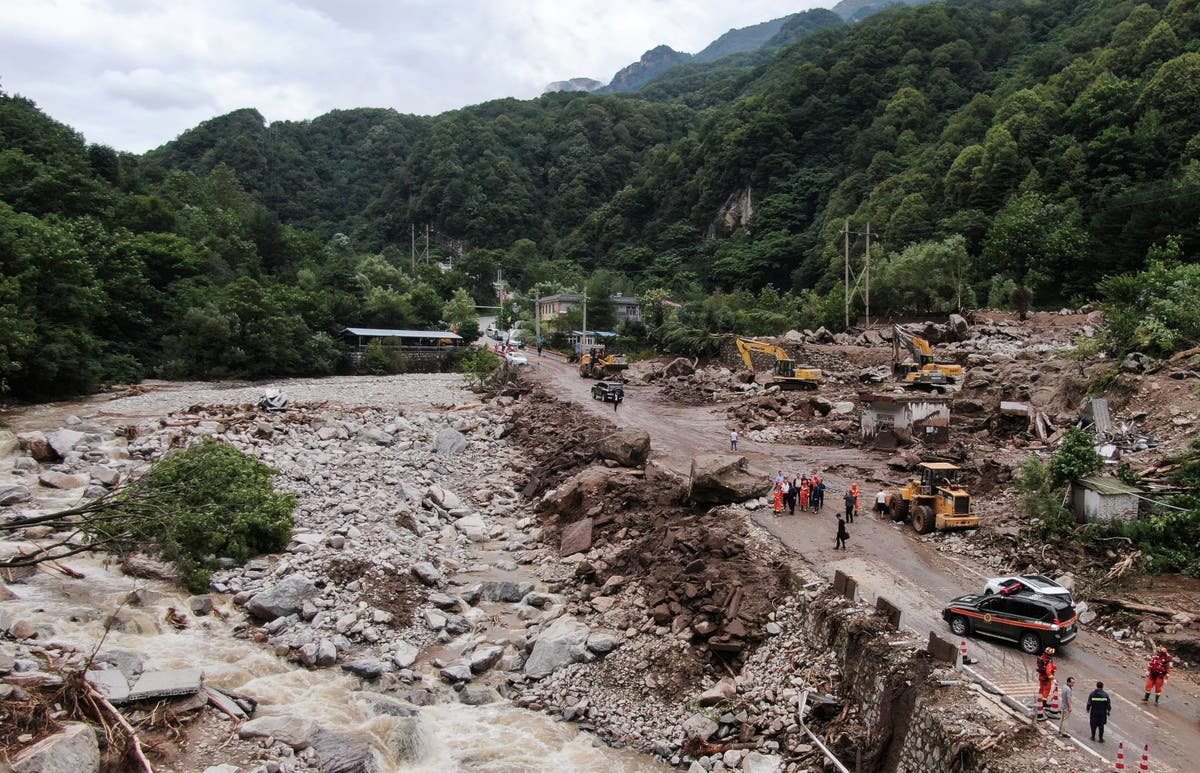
(805,494)
(1157,673)
(854,491)
(1045,672)
(779,497)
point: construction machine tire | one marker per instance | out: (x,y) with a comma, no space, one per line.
(898,508)
(923,519)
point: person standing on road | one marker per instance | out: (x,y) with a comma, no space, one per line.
(617,398)
(733,440)
(1067,705)
(842,535)
(1099,706)
(849,499)
(788,493)
(855,492)
(881,504)
(778,497)
(1157,673)
(1045,674)
(818,493)
(795,492)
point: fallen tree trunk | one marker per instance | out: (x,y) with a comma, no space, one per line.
(1133,606)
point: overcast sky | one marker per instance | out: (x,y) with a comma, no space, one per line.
(134,74)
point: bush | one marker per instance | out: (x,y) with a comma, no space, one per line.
(203,503)
(1042,500)
(480,366)
(1076,457)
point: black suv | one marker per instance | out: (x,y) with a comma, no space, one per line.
(1031,620)
(608,391)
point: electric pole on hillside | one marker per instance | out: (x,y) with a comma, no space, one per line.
(863,279)
(583,333)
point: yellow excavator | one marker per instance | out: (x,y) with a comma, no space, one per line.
(937,500)
(596,364)
(921,370)
(787,374)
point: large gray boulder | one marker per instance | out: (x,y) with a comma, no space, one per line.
(74,749)
(342,753)
(296,732)
(563,643)
(450,442)
(679,367)
(718,479)
(627,447)
(61,480)
(13,493)
(283,599)
(63,441)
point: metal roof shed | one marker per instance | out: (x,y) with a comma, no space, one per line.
(1103,498)
(362,335)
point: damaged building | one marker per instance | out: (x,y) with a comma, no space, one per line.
(893,420)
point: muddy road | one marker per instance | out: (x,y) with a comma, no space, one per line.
(891,560)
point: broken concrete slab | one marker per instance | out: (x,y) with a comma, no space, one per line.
(164,684)
(296,732)
(111,683)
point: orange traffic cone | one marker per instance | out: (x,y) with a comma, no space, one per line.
(1053,711)
(1121,755)
(966,659)
(1145,758)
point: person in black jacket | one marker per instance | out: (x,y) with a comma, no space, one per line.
(842,534)
(1099,706)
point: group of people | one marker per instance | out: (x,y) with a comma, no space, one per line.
(802,490)
(1099,703)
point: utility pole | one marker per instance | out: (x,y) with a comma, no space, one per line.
(537,319)
(412,248)
(867,296)
(846,285)
(583,333)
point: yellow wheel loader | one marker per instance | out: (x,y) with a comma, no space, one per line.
(936,500)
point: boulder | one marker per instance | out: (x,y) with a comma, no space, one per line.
(13,493)
(602,643)
(63,441)
(477,695)
(822,336)
(756,762)
(404,654)
(723,690)
(1135,362)
(296,732)
(627,447)
(576,538)
(699,726)
(367,669)
(484,658)
(342,753)
(36,445)
(561,644)
(427,573)
(74,749)
(450,442)
(718,479)
(510,592)
(458,671)
(283,599)
(679,366)
(472,527)
(376,436)
(61,480)
(958,327)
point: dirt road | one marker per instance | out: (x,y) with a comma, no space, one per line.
(891,560)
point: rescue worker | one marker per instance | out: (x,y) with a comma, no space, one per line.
(1157,673)
(854,491)
(779,497)
(1099,707)
(805,495)
(1045,672)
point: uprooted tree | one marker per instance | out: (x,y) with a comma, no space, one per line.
(192,508)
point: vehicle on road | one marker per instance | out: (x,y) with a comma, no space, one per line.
(494,333)
(1031,583)
(1032,621)
(787,374)
(936,500)
(608,391)
(596,363)
(516,358)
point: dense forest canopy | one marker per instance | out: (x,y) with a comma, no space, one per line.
(996,150)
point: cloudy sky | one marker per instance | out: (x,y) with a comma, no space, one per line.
(134,74)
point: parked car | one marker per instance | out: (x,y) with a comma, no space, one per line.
(1032,621)
(494,333)
(608,391)
(516,358)
(1032,583)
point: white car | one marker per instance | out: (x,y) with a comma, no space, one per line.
(1035,583)
(516,359)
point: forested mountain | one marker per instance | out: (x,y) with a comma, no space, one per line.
(996,150)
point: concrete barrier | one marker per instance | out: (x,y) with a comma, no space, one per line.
(941,649)
(839,582)
(888,610)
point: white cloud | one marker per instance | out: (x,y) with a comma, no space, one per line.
(135,73)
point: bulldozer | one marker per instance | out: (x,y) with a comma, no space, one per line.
(787,374)
(936,500)
(921,370)
(595,363)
